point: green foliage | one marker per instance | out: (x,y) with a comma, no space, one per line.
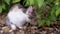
(42,23)
(57,11)
(7,1)
(37,3)
(0,8)
(14,1)
(48,10)
(52,7)
(5,4)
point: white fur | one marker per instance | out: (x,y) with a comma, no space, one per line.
(17,18)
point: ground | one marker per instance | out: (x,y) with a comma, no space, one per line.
(29,29)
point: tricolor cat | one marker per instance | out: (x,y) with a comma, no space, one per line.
(17,18)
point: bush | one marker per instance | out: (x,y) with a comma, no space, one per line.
(48,10)
(5,4)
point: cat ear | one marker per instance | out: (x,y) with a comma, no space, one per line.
(29,10)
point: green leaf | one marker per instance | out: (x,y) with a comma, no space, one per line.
(57,11)
(14,1)
(53,14)
(59,17)
(50,1)
(47,22)
(31,2)
(3,6)
(40,3)
(42,22)
(7,1)
(0,8)
(56,2)
(27,2)
(53,18)
(35,3)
